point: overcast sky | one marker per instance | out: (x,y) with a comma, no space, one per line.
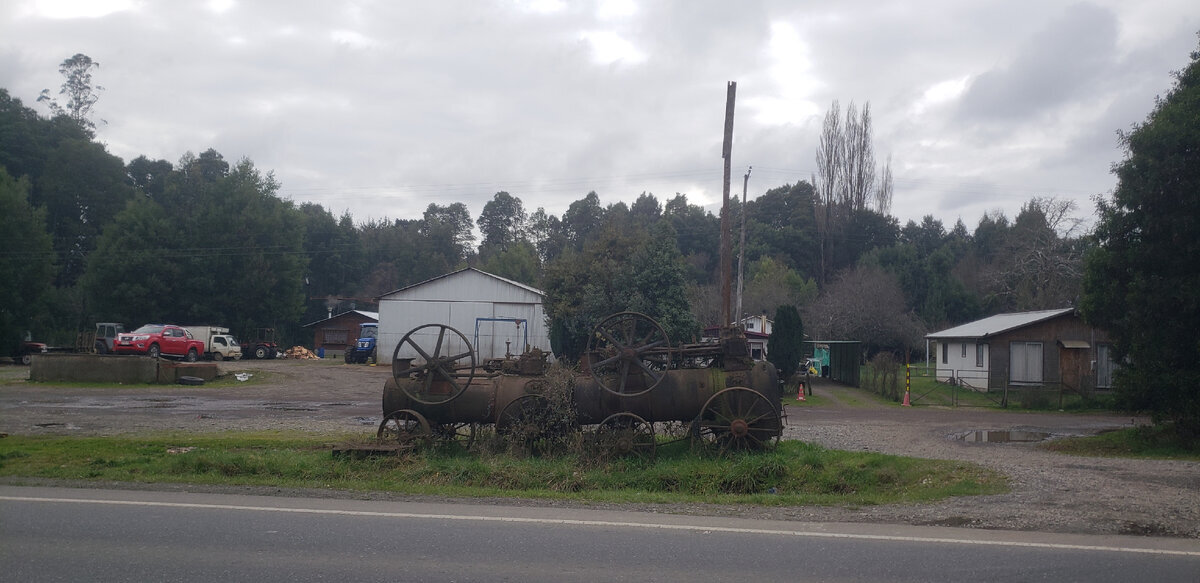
(382,107)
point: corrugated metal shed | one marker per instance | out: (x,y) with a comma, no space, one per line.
(495,314)
(998,324)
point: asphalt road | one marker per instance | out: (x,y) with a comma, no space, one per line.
(49,534)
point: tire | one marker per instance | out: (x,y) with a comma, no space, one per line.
(261,352)
(191,355)
(26,359)
(193,381)
(153,351)
(217,356)
(101,348)
(349,356)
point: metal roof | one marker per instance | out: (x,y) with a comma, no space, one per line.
(465,269)
(371,315)
(999,323)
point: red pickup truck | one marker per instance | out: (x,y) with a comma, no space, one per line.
(160,340)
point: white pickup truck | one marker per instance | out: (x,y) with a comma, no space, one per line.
(218,344)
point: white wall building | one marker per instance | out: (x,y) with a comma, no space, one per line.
(495,314)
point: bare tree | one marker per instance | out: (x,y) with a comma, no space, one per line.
(866,304)
(883,194)
(858,162)
(830,155)
(1040,263)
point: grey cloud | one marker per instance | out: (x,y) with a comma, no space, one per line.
(1065,60)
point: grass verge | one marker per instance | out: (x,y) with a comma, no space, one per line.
(1147,442)
(795,473)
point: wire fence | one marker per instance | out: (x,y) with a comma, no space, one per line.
(932,386)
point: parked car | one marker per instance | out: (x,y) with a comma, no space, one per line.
(160,340)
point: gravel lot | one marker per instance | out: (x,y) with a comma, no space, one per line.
(1050,492)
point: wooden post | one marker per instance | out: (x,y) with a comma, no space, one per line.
(726,244)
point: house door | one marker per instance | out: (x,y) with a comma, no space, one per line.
(1104,366)
(1025,362)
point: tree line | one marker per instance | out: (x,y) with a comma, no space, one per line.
(202,240)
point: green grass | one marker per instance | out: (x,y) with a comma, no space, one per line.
(1149,442)
(795,473)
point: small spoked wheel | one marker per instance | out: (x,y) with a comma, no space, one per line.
(738,419)
(462,434)
(530,420)
(406,428)
(625,435)
(437,378)
(628,354)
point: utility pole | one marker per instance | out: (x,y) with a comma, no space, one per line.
(742,247)
(726,245)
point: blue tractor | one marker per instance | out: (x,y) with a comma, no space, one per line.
(364,348)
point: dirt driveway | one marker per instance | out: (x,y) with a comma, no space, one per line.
(1051,492)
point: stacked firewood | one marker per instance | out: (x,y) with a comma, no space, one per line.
(300,352)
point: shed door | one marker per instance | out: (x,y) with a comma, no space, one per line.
(1104,366)
(1026,362)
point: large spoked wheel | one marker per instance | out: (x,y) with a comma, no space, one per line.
(530,419)
(628,354)
(437,378)
(738,419)
(625,435)
(462,434)
(406,428)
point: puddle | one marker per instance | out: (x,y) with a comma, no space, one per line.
(1005,436)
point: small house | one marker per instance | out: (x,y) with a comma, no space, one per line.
(758,334)
(337,333)
(1024,348)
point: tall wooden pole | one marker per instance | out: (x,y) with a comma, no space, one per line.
(726,244)
(742,249)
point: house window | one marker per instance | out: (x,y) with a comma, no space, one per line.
(964,349)
(979,355)
(1025,362)
(945,352)
(334,336)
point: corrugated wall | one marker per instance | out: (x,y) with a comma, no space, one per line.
(464,301)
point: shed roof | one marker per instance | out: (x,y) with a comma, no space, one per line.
(364,313)
(465,269)
(993,325)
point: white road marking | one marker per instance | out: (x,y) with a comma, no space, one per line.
(606,523)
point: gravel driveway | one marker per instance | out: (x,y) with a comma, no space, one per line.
(1050,492)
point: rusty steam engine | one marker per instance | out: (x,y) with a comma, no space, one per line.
(631,381)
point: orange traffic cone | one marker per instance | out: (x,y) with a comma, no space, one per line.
(906,403)
(800,396)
